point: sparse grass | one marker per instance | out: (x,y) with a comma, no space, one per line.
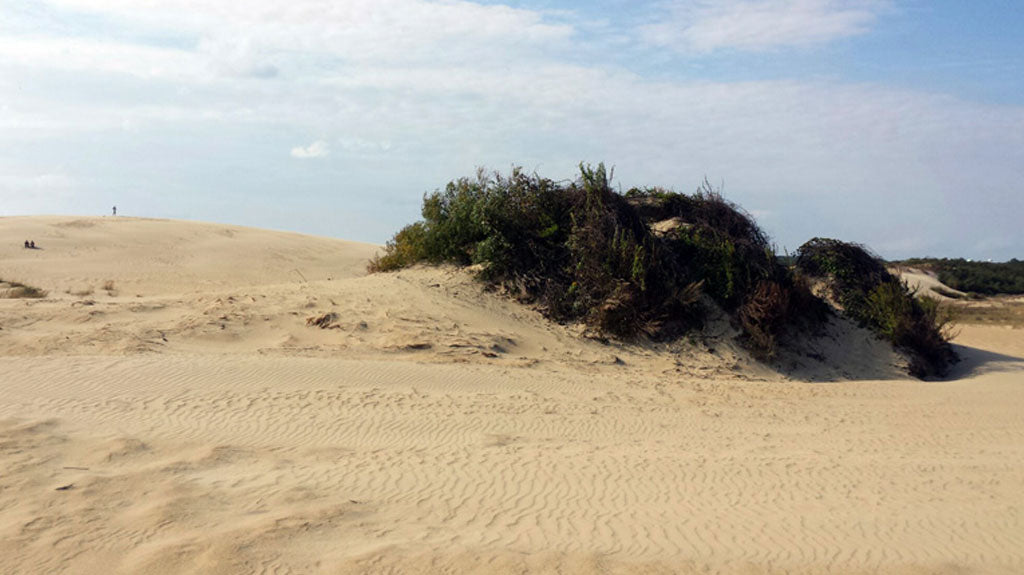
(16,290)
(996,311)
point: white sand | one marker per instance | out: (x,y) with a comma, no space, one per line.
(200,426)
(926,283)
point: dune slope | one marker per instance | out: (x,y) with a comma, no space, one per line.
(188,420)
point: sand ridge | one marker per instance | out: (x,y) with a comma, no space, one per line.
(434,427)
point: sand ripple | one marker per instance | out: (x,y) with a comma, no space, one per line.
(291,465)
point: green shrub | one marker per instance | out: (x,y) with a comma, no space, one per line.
(718,241)
(406,248)
(720,245)
(852,271)
(582,251)
(638,263)
(859,282)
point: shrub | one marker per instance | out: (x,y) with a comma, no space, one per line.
(774,306)
(717,240)
(859,282)
(852,271)
(719,244)
(583,251)
(406,248)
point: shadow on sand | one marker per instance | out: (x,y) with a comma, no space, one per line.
(974,361)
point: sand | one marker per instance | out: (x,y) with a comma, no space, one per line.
(927,283)
(167,409)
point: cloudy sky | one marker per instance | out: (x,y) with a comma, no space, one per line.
(895,123)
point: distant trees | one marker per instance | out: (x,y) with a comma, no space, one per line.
(987,278)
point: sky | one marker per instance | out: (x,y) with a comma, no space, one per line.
(898,124)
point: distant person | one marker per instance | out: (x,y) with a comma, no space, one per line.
(32,244)
(26,244)
(115,210)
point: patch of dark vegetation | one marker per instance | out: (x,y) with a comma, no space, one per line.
(16,290)
(989,278)
(627,265)
(859,282)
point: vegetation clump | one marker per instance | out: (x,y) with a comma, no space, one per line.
(16,290)
(859,282)
(627,265)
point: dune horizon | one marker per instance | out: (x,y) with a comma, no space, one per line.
(195,397)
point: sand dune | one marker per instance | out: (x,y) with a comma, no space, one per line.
(926,283)
(147,257)
(188,420)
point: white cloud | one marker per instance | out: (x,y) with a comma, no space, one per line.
(228,56)
(36,193)
(349,31)
(753,25)
(99,56)
(363,146)
(317,149)
(437,88)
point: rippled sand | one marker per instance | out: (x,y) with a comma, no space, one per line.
(188,420)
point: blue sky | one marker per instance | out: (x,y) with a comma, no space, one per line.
(898,124)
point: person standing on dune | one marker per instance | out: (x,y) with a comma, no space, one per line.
(115,210)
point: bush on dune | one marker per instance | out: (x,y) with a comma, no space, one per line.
(850,269)
(859,282)
(640,263)
(721,246)
(584,252)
